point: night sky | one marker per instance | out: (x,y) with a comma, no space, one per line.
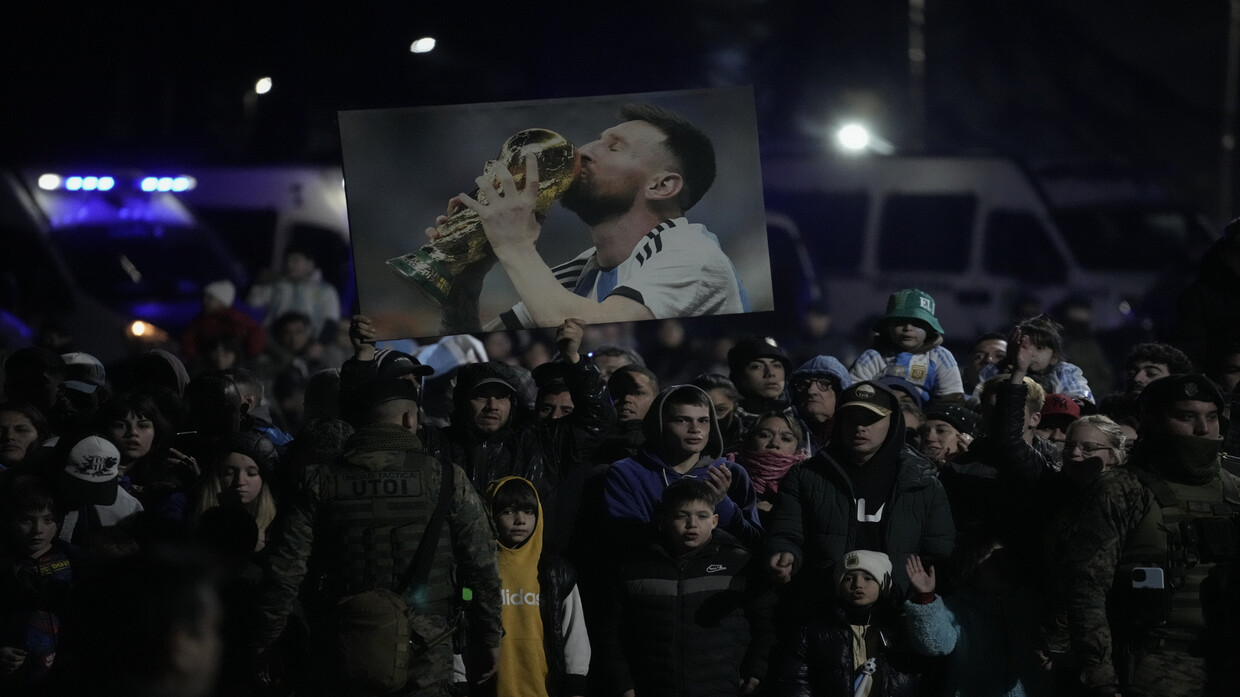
(1141,83)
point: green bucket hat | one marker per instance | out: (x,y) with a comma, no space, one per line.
(911,303)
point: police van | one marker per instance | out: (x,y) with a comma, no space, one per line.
(980,234)
(261,210)
(107,255)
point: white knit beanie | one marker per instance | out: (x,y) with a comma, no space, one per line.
(222,290)
(875,564)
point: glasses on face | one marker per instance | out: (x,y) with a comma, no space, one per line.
(1086,448)
(802,384)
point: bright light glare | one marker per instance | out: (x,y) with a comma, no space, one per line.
(73,183)
(139,328)
(49,182)
(425,44)
(263,86)
(853,137)
(106,183)
(150,183)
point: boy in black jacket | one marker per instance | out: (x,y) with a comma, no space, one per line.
(692,614)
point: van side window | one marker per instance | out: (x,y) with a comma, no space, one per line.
(926,232)
(1125,239)
(1018,246)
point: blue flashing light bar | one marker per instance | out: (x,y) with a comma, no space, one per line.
(91,182)
(76,182)
(176,184)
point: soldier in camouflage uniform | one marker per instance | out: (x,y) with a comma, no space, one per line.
(364,516)
(1150,608)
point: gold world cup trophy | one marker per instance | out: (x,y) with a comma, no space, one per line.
(462,242)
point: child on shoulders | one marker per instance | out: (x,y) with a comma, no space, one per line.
(1047,366)
(908,344)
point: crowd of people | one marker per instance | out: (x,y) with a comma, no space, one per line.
(283,507)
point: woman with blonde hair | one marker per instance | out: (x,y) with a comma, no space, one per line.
(240,473)
(1093,445)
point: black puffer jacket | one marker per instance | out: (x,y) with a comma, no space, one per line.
(815,515)
(689,626)
(820,661)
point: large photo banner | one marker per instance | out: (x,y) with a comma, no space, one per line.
(642,206)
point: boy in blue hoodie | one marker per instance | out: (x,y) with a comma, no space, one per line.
(682,440)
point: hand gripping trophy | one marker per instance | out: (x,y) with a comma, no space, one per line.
(462,245)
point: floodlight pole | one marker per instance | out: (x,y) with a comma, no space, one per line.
(916,120)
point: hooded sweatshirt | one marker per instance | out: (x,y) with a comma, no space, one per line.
(634,486)
(525,662)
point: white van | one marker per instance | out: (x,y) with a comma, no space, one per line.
(977,233)
(260,210)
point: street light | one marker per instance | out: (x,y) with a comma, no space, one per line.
(263,86)
(425,44)
(855,138)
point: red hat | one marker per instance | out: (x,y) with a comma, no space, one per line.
(1060,405)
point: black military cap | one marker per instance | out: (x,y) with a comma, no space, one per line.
(1164,391)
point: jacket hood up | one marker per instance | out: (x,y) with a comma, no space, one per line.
(652,425)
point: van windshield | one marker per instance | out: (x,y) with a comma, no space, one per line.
(139,266)
(1127,238)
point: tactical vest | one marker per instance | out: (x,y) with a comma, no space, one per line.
(375,520)
(1189,531)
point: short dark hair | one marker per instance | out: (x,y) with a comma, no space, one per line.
(624,372)
(682,491)
(514,493)
(715,381)
(247,382)
(686,395)
(1043,332)
(1152,352)
(688,145)
(614,351)
(988,336)
(29,493)
(289,318)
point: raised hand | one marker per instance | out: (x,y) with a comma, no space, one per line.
(1020,352)
(568,338)
(922,579)
(509,216)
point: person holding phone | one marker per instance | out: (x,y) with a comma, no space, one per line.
(682,440)
(1147,606)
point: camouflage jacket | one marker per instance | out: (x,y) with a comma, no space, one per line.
(1123,525)
(364,516)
